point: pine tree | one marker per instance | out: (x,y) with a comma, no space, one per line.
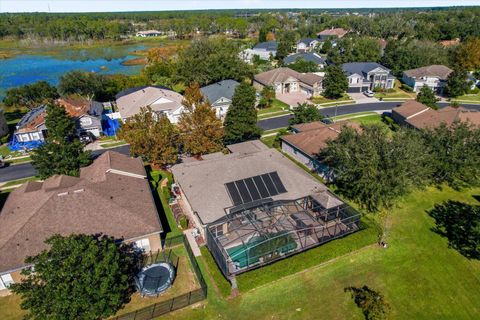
(335,83)
(62,152)
(201,130)
(241,120)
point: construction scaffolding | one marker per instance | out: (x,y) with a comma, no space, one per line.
(258,233)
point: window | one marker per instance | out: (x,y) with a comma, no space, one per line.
(35,136)
(5,281)
(143,244)
(25,137)
(85,121)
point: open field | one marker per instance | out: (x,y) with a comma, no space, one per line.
(419,275)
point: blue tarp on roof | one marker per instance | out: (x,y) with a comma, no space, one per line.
(15,145)
(109,126)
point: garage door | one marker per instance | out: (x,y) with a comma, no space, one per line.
(354,89)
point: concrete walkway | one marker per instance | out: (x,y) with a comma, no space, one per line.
(192,242)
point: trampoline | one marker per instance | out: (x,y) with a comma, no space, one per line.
(155,279)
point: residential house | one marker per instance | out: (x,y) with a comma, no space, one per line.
(220,95)
(3,124)
(416,115)
(259,206)
(307,56)
(148,33)
(306,45)
(434,77)
(331,34)
(31,128)
(163,101)
(286,80)
(264,50)
(111,196)
(363,76)
(309,139)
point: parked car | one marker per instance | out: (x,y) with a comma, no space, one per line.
(86,137)
(369,93)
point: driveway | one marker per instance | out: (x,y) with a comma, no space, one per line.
(293,98)
(361,98)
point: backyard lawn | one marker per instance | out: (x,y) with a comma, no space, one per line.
(419,275)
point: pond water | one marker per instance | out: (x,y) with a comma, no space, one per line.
(43,65)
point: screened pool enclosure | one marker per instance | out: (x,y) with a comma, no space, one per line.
(259,232)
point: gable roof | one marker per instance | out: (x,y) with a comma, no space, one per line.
(282,74)
(221,89)
(314,137)
(32,119)
(111,196)
(338,32)
(268,46)
(361,68)
(307,56)
(436,70)
(431,119)
(130,101)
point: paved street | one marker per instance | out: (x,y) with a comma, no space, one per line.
(26,170)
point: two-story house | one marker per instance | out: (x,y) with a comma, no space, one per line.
(434,77)
(220,95)
(286,80)
(31,130)
(163,101)
(363,76)
(306,44)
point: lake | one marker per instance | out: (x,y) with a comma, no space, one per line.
(43,65)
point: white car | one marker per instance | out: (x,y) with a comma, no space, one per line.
(369,93)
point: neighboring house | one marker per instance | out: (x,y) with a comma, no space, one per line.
(220,95)
(363,76)
(264,50)
(307,56)
(111,196)
(3,124)
(254,206)
(309,139)
(419,116)
(87,114)
(306,45)
(434,76)
(331,34)
(163,101)
(148,33)
(286,80)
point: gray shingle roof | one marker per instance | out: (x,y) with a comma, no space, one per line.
(361,68)
(306,41)
(221,89)
(269,45)
(307,56)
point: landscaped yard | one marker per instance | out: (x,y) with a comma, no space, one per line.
(278,108)
(322,100)
(469,97)
(419,275)
(396,94)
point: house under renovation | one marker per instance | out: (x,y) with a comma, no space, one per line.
(259,206)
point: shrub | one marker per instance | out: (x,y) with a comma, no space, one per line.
(5,138)
(372,303)
(475,90)
(183,222)
(406,87)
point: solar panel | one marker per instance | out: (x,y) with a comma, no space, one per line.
(269,184)
(234,195)
(242,188)
(277,182)
(255,188)
(252,188)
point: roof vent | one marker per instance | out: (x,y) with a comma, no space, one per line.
(62,194)
(79,190)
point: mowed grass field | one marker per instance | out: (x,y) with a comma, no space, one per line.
(419,275)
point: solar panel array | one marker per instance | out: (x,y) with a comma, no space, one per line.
(255,188)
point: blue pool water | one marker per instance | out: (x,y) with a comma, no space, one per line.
(25,69)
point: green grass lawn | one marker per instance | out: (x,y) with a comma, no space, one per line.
(278,108)
(469,97)
(397,94)
(321,99)
(419,275)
